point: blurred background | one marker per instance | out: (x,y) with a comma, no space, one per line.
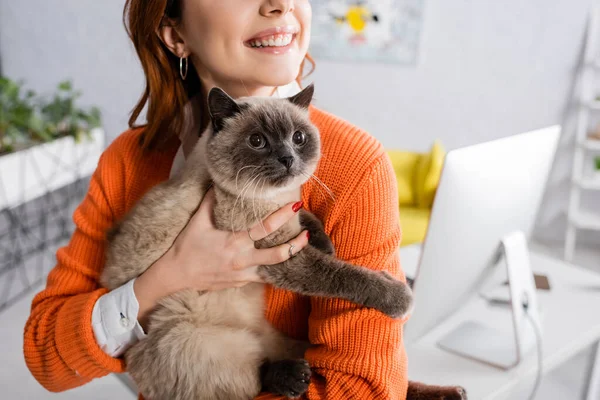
(458,72)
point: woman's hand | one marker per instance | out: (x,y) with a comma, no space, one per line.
(205,258)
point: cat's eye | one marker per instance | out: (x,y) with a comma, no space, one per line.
(299,138)
(257,141)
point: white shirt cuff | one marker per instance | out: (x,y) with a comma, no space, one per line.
(114,320)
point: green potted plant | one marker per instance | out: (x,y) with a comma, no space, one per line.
(45,142)
(597,167)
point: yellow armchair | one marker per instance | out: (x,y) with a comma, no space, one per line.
(418,176)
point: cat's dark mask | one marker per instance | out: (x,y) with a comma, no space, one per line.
(221,106)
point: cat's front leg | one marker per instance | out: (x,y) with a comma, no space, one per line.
(313,273)
(318,237)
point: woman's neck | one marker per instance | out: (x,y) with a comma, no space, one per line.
(236,89)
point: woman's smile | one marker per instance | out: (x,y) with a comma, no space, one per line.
(276,40)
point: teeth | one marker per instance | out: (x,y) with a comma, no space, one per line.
(273,41)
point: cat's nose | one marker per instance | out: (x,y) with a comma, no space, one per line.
(287,161)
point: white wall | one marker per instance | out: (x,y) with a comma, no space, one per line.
(487,69)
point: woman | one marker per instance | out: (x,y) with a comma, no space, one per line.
(77,330)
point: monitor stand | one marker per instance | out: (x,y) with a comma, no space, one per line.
(491,346)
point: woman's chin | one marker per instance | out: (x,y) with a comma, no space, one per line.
(279,77)
(277,71)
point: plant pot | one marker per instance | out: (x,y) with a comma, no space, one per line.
(37,170)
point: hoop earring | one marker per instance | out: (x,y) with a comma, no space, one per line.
(181,69)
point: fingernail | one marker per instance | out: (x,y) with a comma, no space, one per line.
(307,234)
(297,206)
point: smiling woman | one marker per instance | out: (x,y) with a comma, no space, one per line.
(79,330)
(220,40)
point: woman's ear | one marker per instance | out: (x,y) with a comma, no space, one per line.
(172,39)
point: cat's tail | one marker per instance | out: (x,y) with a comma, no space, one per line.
(421,391)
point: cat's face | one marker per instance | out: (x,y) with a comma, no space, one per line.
(261,146)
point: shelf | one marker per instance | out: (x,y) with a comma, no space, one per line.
(586,220)
(588,183)
(590,144)
(30,173)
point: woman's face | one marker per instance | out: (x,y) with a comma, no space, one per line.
(246,45)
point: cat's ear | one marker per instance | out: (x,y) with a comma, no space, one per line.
(220,107)
(304,98)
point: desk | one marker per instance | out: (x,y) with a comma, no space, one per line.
(570,323)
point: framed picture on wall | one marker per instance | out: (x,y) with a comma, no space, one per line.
(379,31)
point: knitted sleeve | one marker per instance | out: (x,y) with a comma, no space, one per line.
(59,345)
(359,352)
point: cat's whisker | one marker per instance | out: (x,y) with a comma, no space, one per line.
(262,192)
(319,188)
(324,186)
(234,204)
(247,189)
(245,88)
(256,217)
(238,173)
(321,184)
(323,156)
(233,208)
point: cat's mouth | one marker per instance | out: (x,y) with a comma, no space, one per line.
(280,178)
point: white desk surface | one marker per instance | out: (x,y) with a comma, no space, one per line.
(570,323)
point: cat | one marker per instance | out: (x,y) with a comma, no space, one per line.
(198,341)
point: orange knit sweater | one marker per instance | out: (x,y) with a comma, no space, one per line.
(359,352)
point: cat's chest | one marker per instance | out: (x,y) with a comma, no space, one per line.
(235,307)
(255,306)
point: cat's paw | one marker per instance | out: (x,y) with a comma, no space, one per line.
(288,378)
(396,299)
(451,393)
(319,240)
(456,393)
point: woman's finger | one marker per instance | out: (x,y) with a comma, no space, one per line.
(280,253)
(273,221)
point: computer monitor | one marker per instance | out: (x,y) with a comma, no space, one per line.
(486,192)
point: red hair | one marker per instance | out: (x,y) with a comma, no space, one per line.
(166,93)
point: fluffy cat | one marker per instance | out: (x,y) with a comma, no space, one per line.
(198,341)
